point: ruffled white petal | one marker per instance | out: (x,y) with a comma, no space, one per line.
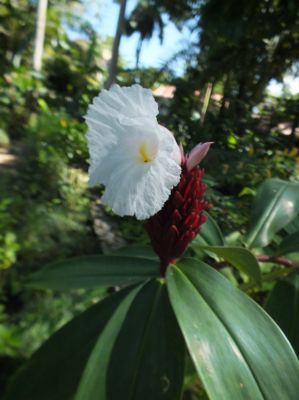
(142,191)
(122,128)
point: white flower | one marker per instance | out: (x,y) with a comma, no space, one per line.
(136,159)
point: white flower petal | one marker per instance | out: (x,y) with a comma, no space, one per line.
(141,191)
(127,102)
(171,144)
(135,158)
(140,101)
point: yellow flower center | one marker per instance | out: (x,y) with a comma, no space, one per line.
(145,154)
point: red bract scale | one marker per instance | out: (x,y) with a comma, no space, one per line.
(179,221)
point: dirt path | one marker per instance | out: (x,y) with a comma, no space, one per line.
(7,159)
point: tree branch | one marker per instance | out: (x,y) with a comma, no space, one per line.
(263,258)
(278,260)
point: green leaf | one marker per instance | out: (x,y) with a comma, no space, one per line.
(238,351)
(209,234)
(54,371)
(91,271)
(137,251)
(289,244)
(240,258)
(293,226)
(93,382)
(283,306)
(147,361)
(246,191)
(276,205)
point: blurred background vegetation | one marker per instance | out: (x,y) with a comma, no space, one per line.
(219,92)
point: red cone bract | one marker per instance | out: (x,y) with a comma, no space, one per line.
(178,222)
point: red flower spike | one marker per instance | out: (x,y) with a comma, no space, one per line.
(178,222)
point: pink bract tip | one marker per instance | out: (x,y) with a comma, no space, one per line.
(182,154)
(197,154)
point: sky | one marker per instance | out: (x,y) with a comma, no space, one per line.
(154,54)
(276,88)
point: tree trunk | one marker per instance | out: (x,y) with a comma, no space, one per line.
(226,94)
(206,103)
(40,34)
(138,51)
(116,44)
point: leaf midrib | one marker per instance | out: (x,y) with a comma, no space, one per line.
(273,205)
(226,328)
(143,341)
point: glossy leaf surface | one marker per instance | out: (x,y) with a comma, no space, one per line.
(240,258)
(54,371)
(209,234)
(239,352)
(137,251)
(276,205)
(289,244)
(293,226)
(93,382)
(92,271)
(147,361)
(283,306)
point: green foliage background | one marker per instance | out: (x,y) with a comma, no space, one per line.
(45,206)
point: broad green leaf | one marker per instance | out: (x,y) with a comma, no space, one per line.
(238,351)
(209,234)
(240,258)
(137,251)
(147,360)
(54,371)
(289,244)
(93,382)
(276,205)
(283,306)
(293,226)
(91,271)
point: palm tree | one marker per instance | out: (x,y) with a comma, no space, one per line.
(144,19)
(116,44)
(40,34)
